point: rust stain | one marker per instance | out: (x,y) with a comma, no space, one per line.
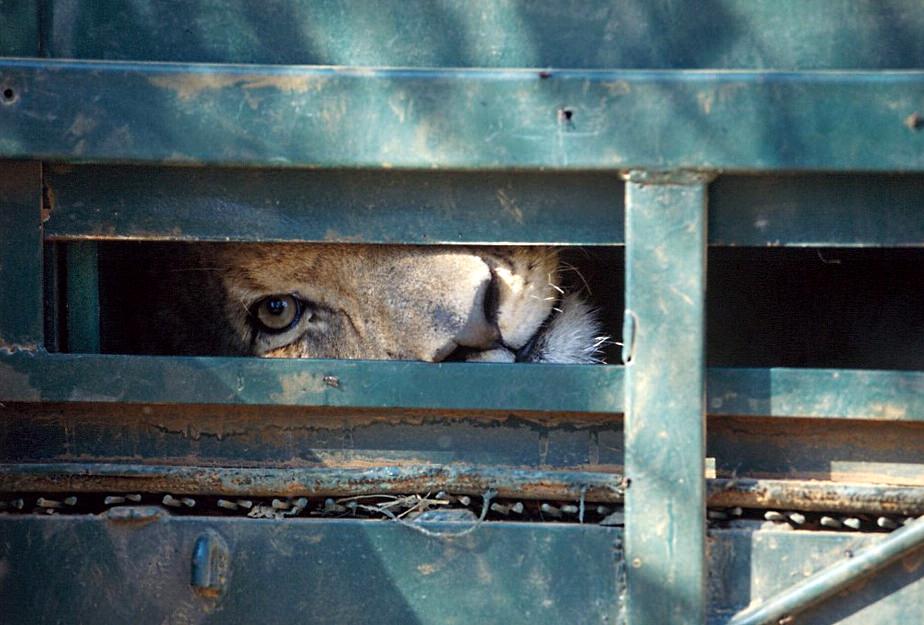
(617,87)
(187,86)
(297,385)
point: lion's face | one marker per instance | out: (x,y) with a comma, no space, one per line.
(395,302)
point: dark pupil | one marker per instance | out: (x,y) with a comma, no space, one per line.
(276,307)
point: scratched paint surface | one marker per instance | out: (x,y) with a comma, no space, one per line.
(460,119)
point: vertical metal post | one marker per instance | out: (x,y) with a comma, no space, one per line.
(82,297)
(665,397)
(21,322)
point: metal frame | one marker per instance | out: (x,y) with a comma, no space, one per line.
(674,130)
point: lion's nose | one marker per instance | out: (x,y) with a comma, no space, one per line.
(480,330)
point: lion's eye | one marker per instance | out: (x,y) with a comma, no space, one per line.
(277,313)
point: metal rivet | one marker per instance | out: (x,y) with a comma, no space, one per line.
(773,515)
(831,522)
(211,560)
(114,500)
(886,523)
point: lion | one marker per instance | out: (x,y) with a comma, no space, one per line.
(372,302)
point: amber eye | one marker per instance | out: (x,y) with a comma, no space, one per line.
(277,313)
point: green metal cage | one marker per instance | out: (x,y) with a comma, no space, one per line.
(666,129)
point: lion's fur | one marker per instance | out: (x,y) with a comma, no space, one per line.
(374,302)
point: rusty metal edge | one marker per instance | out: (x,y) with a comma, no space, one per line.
(594,486)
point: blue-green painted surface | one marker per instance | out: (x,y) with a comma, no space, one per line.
(826,393)
(383,572)
(665,421)
(20,30)
(342,571)
(461,119)
(21,315)
(457,207)
(83,331)
(654,34)
(393,384)
(187,204)
(843,210)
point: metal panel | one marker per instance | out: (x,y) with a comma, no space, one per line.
(82,297)
(828,393)
(454,207)
(748,567)
(87,569)
(385,573)
(462,119)
(19,28)
(382,384)
(660,34)
(21,316)
(184,204)
(822,211)
(665,419)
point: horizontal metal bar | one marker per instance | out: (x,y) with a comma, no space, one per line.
(312,482)
(857,210)
(815,495)
(559,485)
(383,384)
(461,119)
(577,208)
(192,204)
(835,578)
(823,393)
(828,393)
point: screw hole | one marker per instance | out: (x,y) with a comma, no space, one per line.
(9,94)
(565,114)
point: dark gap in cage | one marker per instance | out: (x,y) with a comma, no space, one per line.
(816,307)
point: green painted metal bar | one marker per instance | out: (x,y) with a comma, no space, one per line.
(192,204)
(461,119)
(163,203)
(21,315)
(854,210)
(312,482)
(663,34)
(819,393)
(826,393)
(837,577)
(382,384)
(665,420)
(82,297)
